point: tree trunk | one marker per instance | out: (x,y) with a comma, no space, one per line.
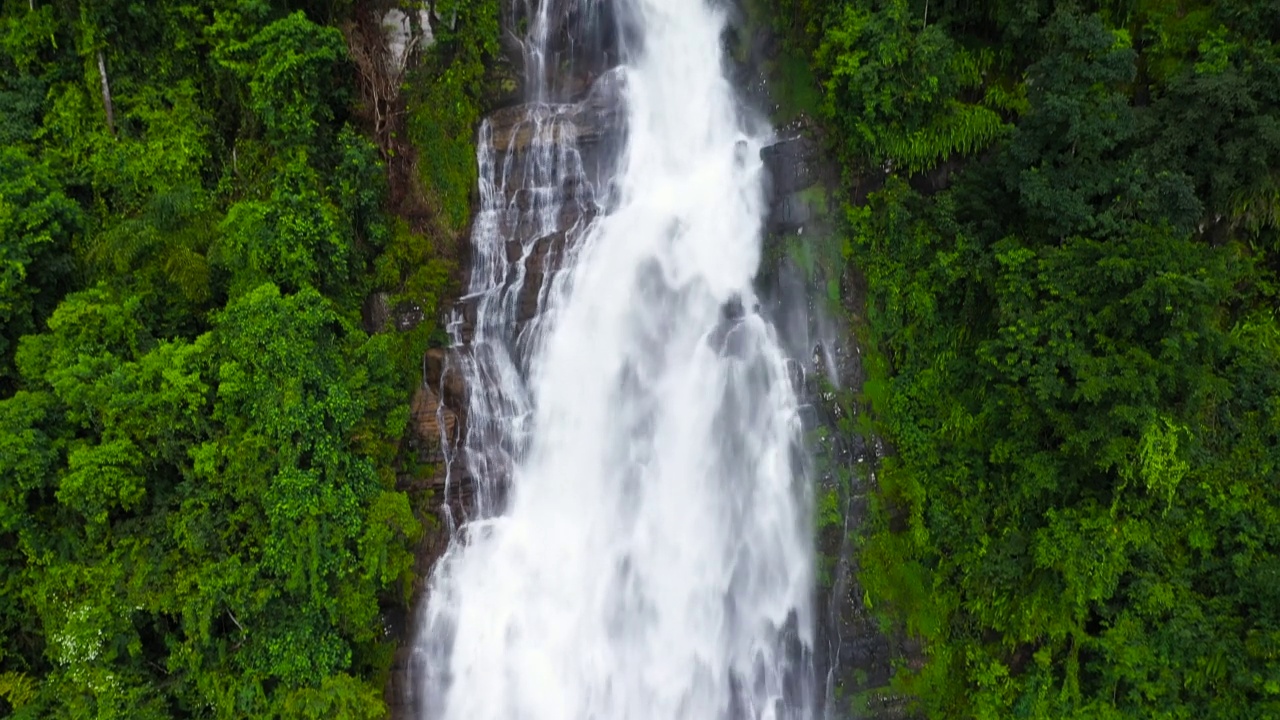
(106,93)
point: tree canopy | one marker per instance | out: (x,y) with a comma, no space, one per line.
(1074,346)
(199,441)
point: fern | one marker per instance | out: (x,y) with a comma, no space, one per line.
(1013,100)
(1257,207)
(966,129)
(17,688)
(968,69)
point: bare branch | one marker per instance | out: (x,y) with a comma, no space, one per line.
(106,93)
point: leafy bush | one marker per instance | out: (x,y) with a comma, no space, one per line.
(893,89)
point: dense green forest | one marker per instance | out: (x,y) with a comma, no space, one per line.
(199,444)
(1065,220)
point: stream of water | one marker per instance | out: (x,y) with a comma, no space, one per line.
(638,546)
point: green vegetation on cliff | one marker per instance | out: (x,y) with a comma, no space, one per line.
(1071,267)
(198,442)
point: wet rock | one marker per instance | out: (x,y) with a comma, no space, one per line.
(595,119)
(510,129)
(795,374)
(543,253)
(527,300)
(433,424)
(724,338)
(408,316)
(515,128)
(466,311)
(376,313)
(582,41)
(853,656)
(434,363)
(808,416)
(749,48)
(545,258)
(799,177)
(790,213)
(793,163)
(453,386)
(399,691)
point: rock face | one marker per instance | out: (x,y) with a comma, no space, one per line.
(799,178)
(595,119)
(542,164)
(854,659)
(540,219)
(795,162)
(858,656)
(378,314)
(566,44)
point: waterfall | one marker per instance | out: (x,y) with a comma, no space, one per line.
(636,543)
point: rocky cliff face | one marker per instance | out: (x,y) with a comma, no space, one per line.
(544,165)
(802,266)
(815,300)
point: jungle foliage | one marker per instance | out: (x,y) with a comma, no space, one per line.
(1071,273)
(199,443)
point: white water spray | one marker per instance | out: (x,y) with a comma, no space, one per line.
(652,558)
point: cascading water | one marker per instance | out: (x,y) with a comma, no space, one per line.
(639,545)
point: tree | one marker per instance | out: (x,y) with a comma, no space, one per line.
(288,66)
(1079,517)
(37,226)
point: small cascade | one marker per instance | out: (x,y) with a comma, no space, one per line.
(544,169)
